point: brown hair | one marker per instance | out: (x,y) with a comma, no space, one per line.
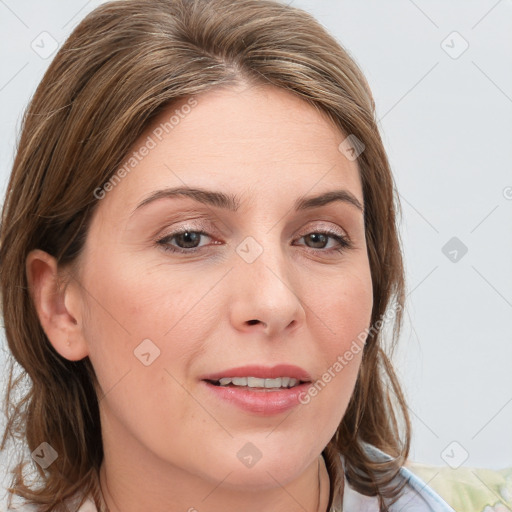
(120,67)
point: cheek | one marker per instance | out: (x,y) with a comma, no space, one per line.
(131,305)
(344,307)
(344,304)
(143,335)
(141,301)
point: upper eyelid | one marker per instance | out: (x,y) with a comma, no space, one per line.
(205,232)
(205,224)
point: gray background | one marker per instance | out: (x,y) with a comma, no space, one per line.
(445,118)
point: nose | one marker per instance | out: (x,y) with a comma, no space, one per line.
(265,295)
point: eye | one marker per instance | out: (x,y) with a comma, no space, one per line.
(187,241)
(320,240)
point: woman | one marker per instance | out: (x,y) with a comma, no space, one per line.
(199,257)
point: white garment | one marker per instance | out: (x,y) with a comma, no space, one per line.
(416,497)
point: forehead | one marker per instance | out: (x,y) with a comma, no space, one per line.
(250,140)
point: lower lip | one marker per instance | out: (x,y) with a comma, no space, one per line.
(262,402)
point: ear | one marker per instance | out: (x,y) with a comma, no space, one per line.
(57,306)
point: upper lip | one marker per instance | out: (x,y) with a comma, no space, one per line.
(261,372)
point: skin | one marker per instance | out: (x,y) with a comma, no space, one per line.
(169,445)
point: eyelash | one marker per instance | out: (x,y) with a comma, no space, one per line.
(344,242)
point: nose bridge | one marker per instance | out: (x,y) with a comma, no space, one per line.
(263,289)
(263,258)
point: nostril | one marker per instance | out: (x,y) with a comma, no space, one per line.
(252,322)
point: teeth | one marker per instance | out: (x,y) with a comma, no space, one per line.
(254,382)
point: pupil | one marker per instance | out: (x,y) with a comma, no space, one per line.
(318,238)
(191,239)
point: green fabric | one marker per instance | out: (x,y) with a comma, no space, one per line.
(469,489)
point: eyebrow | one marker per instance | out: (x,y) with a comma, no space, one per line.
(232,202)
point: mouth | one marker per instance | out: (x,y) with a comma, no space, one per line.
(258,384)
(259,390)
(259,396)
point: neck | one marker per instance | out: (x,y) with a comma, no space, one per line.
(125,488)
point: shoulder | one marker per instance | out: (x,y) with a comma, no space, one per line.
(419,496)
(416,495)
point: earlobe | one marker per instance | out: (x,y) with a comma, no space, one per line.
(55,306)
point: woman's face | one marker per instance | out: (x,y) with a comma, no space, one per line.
(262,278)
